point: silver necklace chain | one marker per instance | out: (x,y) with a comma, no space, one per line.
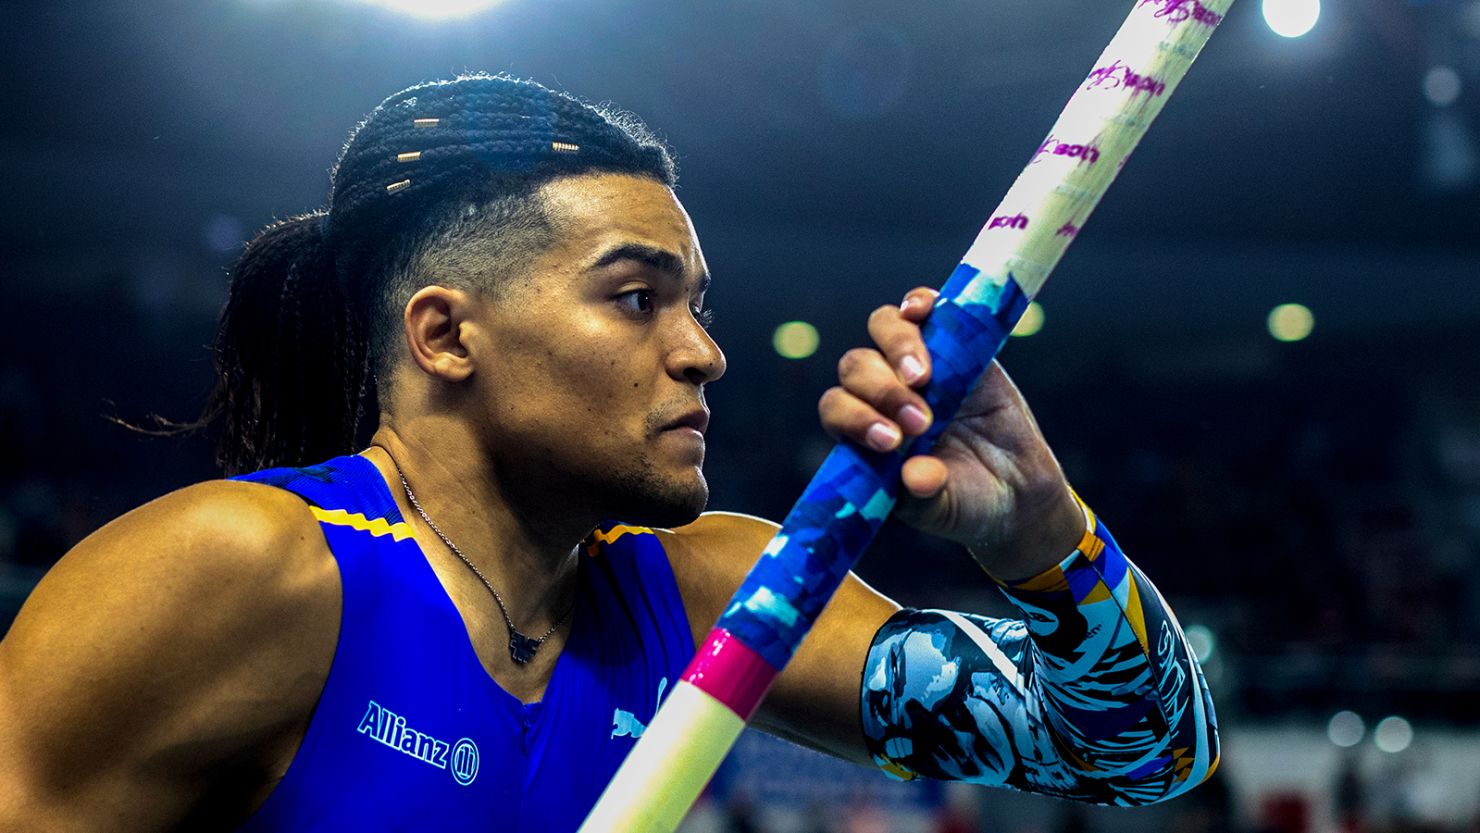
(521,648)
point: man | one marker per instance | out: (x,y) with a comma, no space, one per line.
(448,628)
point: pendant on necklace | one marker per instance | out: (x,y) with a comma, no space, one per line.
(521,647)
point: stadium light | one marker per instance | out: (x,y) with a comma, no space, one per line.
(434,9)
(1291,18)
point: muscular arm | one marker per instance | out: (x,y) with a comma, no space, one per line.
(157,675)
(1093,695)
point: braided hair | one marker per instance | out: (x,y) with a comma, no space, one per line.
(440,179)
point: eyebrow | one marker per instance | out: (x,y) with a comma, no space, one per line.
(660,259)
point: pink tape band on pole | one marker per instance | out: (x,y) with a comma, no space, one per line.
(730,672)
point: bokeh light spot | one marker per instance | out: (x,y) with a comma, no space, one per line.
(1442,86)
(1393,734)
(1031,322)
(1291,322)
(1346,729)
(1201,640)
(795,340)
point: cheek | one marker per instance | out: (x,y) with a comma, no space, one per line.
(597,378)
(595,392)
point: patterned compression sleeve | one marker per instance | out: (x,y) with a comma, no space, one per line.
(1095,697)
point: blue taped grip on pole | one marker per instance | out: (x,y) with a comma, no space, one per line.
(853,492)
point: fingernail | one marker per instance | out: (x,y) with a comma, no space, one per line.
(911,369)
(912,419)
(882,437)
(909,301)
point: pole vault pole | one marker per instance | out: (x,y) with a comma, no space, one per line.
(855,489)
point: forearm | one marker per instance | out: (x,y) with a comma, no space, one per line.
(1094,695)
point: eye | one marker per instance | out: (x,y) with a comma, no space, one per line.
(636,301)
(705,317)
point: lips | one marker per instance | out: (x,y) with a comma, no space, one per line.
(697,420)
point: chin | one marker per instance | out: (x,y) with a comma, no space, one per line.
(648,500)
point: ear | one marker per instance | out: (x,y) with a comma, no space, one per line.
(440,324)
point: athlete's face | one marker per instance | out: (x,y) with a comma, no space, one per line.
(596,383)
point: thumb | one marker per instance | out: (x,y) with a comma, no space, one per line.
(926,500)
(924,477)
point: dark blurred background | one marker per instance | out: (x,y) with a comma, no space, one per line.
(1310,506)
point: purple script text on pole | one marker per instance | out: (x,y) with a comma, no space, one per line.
(1086,154)
(1118,75)
(1177,11)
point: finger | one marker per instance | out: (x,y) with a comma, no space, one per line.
(924,477)
(918,303)
(899,340)
(866,375)
(845,416)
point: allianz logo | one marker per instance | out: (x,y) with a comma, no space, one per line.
(385,726)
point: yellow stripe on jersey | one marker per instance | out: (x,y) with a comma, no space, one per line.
(374,526)
(1136,616)
(607,537)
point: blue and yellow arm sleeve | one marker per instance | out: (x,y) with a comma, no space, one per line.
(1094,695)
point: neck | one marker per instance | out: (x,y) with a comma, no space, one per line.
(529,559)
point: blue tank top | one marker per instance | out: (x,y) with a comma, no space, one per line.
(411,733)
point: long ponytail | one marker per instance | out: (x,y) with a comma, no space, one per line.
(292,359)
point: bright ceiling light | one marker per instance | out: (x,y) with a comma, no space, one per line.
(434,9)
(1292,18)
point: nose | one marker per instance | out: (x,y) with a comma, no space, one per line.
(696,358)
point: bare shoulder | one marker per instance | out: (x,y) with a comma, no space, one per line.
(242,520)
(719,546)
(185,637)
(710,557)
(221,547)
(722,534)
